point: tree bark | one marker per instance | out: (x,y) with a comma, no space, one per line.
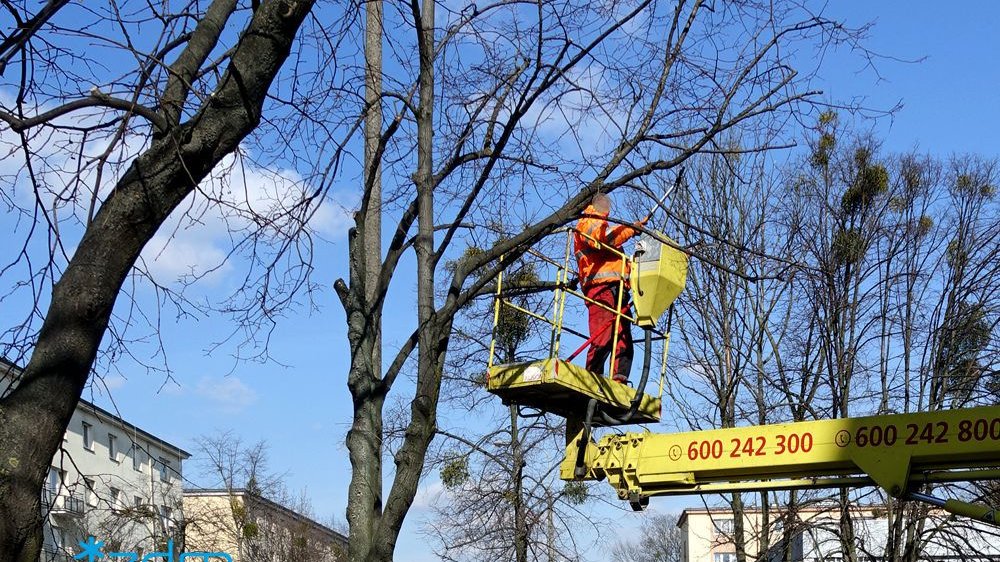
(433,335)
(520,517)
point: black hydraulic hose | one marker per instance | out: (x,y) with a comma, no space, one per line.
(647,356)
(580,470)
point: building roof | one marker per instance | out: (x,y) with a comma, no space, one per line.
(810,508)
(101,412)
(270,504)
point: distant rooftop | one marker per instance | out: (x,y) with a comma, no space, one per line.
(223,492)
(811,508)
(101,412)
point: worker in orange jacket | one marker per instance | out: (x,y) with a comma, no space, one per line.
(603,273)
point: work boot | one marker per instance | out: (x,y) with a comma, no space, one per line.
(622,379)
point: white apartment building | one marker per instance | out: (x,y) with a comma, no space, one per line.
(707,536)
(111,480)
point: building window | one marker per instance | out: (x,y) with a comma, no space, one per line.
(164,470)
(723,527)
(116,498)
(167,515)
(88,437)
(724,557)
(136,457)
(90,494)
(137,501)
(113,447)
(54,481)
(52,484)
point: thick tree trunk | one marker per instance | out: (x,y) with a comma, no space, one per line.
(433,335)
(739,530)
(520,510)
(364,507)
(371,244)
(34,417)
(848,543)
(790,528)
(364,441)
(374,526)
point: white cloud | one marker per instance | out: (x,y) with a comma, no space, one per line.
(105,385)
(237,198)
(229,394)
(249,196)
(335,218)
(170,256)
(113,382)
(429,494)
(581,118)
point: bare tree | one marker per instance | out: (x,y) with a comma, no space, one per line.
(134,521)
(834,301)
(503,500)
(225,461)
(844,190)
(661,540)
(513,109)
(965,313)
(877,237)
(189,113)
(249,509)
(525,114)
(732,322)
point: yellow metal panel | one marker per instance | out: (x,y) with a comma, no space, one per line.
(658,277)
(892,450)
(564,388)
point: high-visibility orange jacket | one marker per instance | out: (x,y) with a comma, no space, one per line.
(593,242)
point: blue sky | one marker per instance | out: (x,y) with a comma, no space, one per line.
(299,403)
(951,98)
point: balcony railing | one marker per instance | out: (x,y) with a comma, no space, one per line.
(53,554)
(62,504)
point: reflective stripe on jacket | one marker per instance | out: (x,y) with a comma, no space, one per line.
(596,261)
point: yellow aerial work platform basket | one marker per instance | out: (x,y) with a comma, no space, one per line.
(564,388)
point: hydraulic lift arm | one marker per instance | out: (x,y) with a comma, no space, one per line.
(898,453)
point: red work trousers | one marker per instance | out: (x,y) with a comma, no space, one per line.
(602,324)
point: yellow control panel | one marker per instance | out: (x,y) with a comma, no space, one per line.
(659,273)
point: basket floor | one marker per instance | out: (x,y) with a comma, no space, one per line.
(564,389)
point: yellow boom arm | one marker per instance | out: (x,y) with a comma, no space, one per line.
(896,452)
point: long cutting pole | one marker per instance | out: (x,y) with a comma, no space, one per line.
(677,183)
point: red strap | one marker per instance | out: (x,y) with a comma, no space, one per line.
(595,335)
(586,343)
